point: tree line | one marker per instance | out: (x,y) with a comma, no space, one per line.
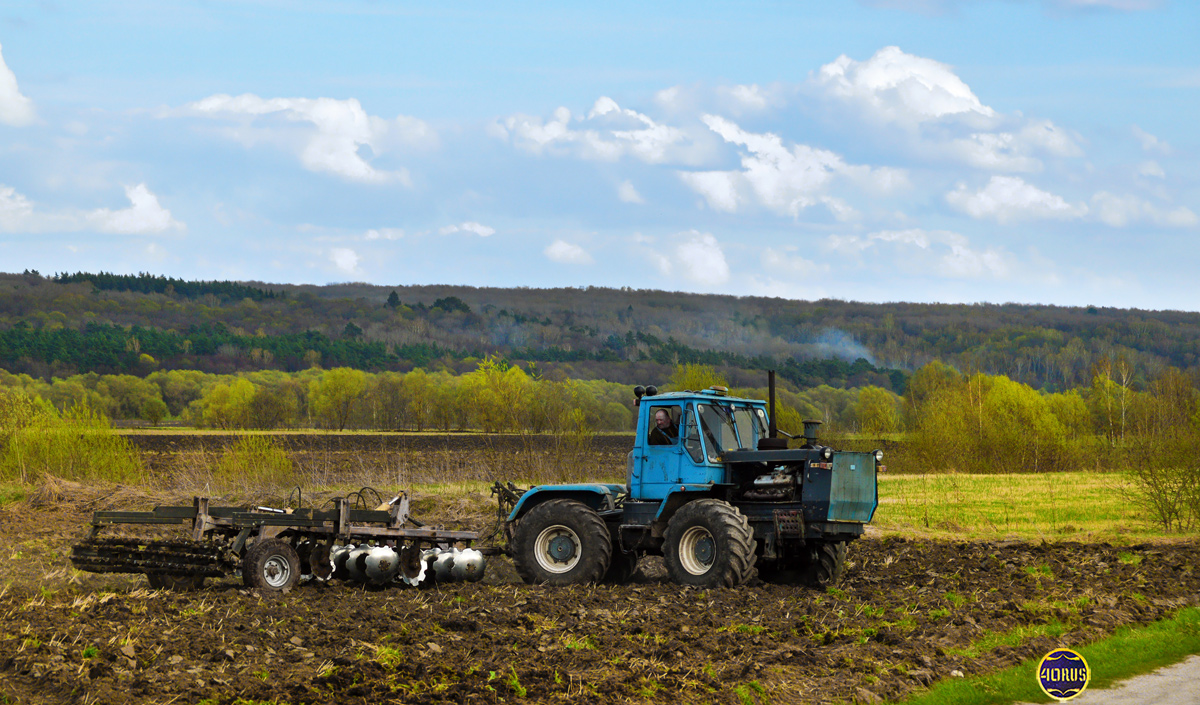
(1046,347)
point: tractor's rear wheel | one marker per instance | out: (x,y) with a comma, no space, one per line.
(177,583)
(825,562)
(272,565)
(709,543)
(561,542)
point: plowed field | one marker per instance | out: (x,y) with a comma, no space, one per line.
(909,612)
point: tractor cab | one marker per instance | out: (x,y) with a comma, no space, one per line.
(682,438)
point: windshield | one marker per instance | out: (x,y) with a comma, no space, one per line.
(750,426)
(719,431)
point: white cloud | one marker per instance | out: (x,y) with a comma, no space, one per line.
(469,227)
(143,217)
(628,194)
(1149,142)
(345,259)
(384,234)
(16,211)
(338,130)
(936,113)
(565,253)
(750,97)
(1008,199)
(608,133)
(1119,211)
(701,259)
(781,179)
(901,87)
(945,253)
(15,109)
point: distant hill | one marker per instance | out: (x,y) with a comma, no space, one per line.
(106,323)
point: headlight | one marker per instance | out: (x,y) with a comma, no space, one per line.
(827,453)
(879,456)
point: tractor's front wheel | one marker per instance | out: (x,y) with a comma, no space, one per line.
(272,565)
(709,543)
(561,542)
(824,564)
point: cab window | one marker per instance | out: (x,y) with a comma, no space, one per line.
(663,428)
(750,426)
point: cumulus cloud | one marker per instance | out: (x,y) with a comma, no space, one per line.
(901,87)
(344,259)
(566,253)
(628,194)
(1008,199)
(937,112)
(785,180)
(144,216)
(336,131)
(16,211)
(15,109)
(1119,211)
(700,259)
(943,252)
(469,227)
(607,133)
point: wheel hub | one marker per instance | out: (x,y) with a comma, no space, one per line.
(704,550)
(562,549)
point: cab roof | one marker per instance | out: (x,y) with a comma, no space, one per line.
(702,395)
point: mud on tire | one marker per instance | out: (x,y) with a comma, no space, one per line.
(561,542)
(826,561)
(272,565)
(709,543)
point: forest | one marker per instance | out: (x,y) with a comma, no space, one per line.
(66,325)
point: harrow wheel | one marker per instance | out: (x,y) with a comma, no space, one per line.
(709,543)
(272,565)
(561,542)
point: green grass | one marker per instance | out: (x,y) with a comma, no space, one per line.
(1078,506)
(1128,652)
(12,492)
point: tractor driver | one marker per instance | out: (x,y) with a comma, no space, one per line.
(665,432)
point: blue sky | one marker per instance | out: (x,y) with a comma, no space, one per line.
(936,150)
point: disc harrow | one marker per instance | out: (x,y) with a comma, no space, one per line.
(381,546)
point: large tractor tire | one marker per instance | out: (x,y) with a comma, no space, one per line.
(561,542)
(826,561)
(176,583)
(272,565)
(709,543)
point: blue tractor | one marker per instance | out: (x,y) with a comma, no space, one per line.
(712,488)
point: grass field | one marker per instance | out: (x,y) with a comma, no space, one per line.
(1077,506)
